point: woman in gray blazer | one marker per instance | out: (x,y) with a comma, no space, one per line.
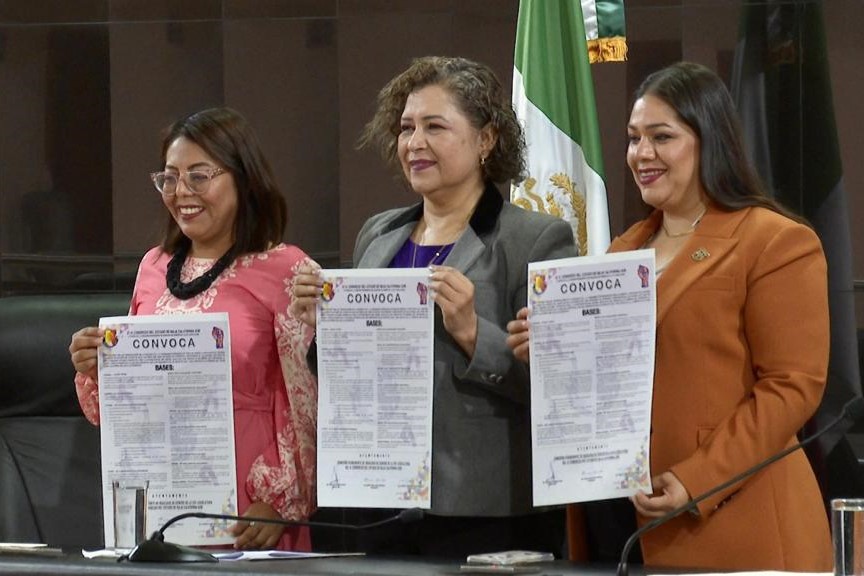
(448,126)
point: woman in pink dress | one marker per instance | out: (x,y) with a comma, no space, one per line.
(222,251)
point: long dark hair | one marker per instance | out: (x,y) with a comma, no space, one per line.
(225,135)
(702,101)
(480,97)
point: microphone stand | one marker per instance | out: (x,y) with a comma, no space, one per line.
(853,408)
(156,549)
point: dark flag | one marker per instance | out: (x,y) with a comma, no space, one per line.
(782,87)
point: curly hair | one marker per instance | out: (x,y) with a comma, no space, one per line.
(226,136)
(479,96)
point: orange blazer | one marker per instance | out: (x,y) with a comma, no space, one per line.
(741,364)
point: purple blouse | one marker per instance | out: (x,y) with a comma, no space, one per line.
(413,255)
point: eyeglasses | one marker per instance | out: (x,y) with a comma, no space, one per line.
(196,181)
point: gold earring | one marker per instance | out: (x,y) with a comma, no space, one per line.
(482,160)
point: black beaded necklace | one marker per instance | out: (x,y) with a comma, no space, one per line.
(186,290)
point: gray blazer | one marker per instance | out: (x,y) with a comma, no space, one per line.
(481,438)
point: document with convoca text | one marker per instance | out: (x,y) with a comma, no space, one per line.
(167,418)
(375,365)
(592,326)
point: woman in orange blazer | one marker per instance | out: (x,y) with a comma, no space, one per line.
(742,339)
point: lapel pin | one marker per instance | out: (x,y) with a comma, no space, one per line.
(700,254)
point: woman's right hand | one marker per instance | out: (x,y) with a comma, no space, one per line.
(84,350)
(519,338)
(668,494)
(305,292)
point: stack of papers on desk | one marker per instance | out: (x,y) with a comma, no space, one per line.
(277,555)
(232,555)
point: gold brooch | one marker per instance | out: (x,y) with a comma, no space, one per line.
(700,254)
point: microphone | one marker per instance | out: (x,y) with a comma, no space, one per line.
(155,549)
(853,409)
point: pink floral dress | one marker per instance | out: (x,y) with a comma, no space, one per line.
(275,396)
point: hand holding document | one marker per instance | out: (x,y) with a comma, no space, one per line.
(592,372)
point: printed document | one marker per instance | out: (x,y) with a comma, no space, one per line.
(375,362)
(168,420)
(592,375)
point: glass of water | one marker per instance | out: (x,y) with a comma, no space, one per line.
(130,512)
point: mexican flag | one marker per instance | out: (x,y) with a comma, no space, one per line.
(553,95)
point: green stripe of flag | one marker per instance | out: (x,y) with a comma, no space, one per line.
(610,18)
(552,56)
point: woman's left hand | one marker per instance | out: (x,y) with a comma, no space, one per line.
(669,493)
(257,535)
(453,292)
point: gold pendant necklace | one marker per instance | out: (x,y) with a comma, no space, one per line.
(431,262)
(685,232)
(441,248)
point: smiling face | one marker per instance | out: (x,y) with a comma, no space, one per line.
(663,154)
(206,219)
(438,148)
